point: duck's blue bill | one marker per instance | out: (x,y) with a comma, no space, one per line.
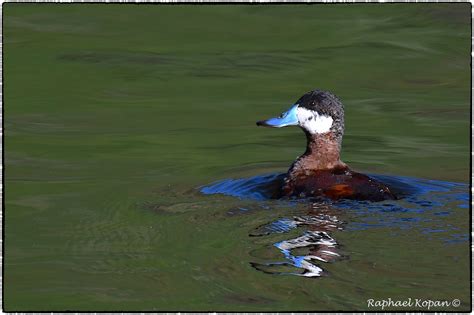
(288,118)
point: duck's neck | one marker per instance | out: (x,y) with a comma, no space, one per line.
(322,153)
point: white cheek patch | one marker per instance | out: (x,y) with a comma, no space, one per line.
(312,121)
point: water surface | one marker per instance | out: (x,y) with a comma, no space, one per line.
(118,116)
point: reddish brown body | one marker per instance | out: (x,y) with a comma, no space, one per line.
(320,173)
(336,183)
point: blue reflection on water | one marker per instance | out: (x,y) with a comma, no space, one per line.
(257,187)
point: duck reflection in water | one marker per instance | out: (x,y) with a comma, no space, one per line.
(315,245)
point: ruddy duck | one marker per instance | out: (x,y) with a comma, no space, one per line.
(319,172)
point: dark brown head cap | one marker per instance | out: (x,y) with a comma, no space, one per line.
(327,104)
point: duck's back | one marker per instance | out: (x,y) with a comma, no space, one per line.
(337,183)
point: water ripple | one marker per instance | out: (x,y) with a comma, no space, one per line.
(425,205)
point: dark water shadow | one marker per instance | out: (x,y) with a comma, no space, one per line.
(423,205)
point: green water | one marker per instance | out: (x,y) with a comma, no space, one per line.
(115,114)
